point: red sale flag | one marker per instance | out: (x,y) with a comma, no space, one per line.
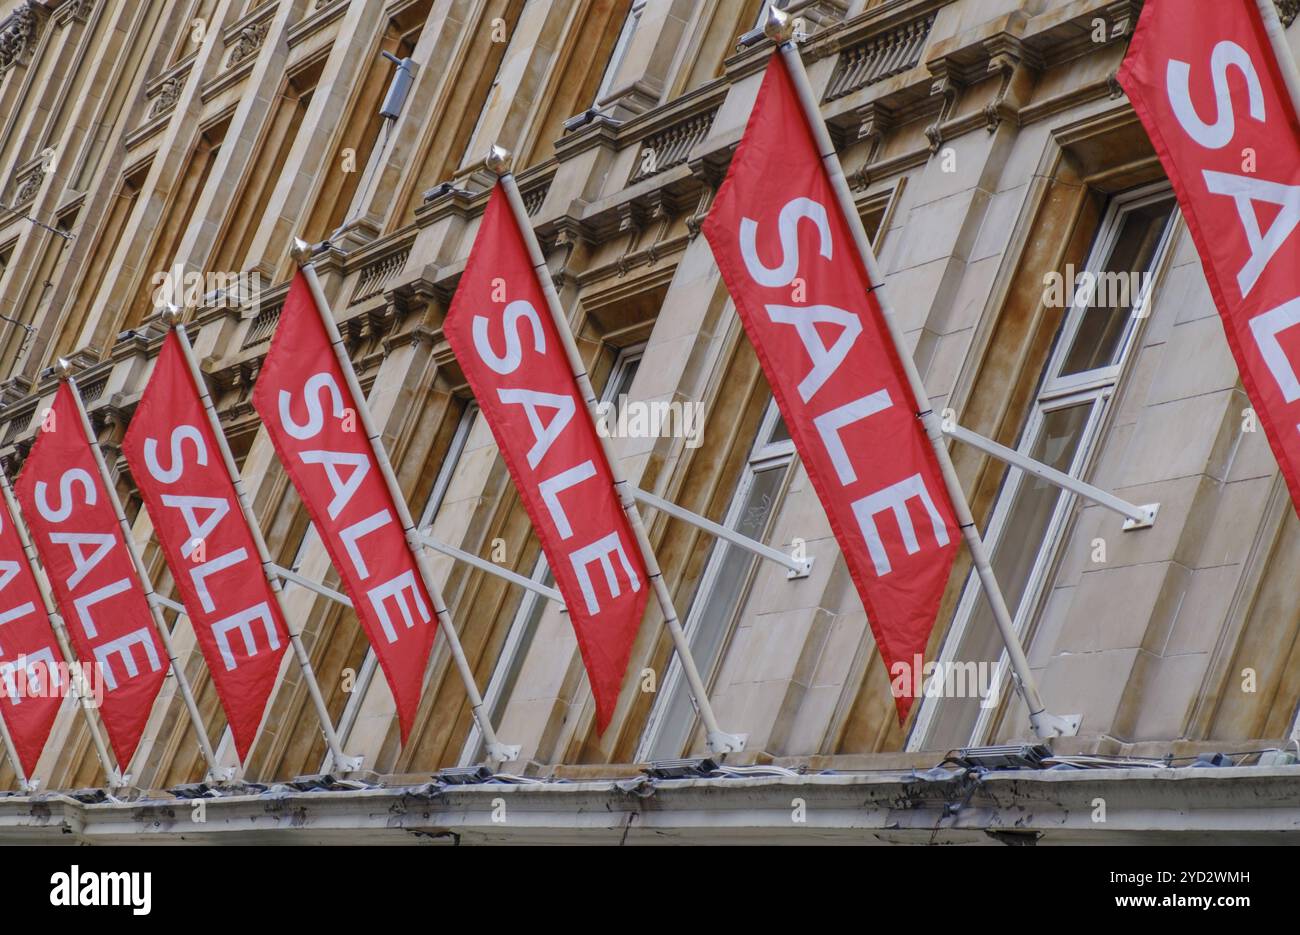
(178,467)
(787,255)
(515,362)
(303,397)
(79,540)
(1213,100)
(32,675)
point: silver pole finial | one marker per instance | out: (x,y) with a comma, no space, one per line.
(779,26)
(301,251)
(498,160)
(171,315)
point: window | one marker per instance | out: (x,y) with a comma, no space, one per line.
(529,615)
(474,148)
(360,142)
(722,589)
(620,49)
(105,248)
(284,122)
(1097,333)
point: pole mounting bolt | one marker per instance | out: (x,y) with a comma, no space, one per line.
(779,26)
(498,160)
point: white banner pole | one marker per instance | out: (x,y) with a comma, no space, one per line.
(795,568)
(1135,516)
(25,784)
(1281,50)
(187,694)
(341,761)
(76,676)
(303,581)
(496,751)
(469,558)
(780,29)
(1291,76)
(719,741)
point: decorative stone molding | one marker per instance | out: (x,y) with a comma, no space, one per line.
(168,93)
(820,13)
(1005,55)
(1121,17)
(15,388)
(944,86)
(1287,10)
(27,184)
(881,56)
(671,146)
(695,222)
(535,197)
(83,358)
(247,43)
(18,35)
(263,325)
(377,274)
(78,10)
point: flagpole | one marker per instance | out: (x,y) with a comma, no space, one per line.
(76,676)
(341,761)
(183,683)
(24,783)
(1281,50)
(496,751)
(780,29)
(719,741)
(1291,77)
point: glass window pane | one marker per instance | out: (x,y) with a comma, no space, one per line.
(1105,321)
(779,432)
(1023,535)
(621,384)
(515,664)
(711,621)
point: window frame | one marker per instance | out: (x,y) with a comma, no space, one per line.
(624,42)
(1095,388)
(766,454)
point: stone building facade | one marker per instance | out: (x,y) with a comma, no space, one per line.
(988,146)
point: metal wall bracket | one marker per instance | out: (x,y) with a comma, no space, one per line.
(347,765)
(797,568)
(1136,517)
(1047,726)
(1151,509)
(721,742)
(502,752)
